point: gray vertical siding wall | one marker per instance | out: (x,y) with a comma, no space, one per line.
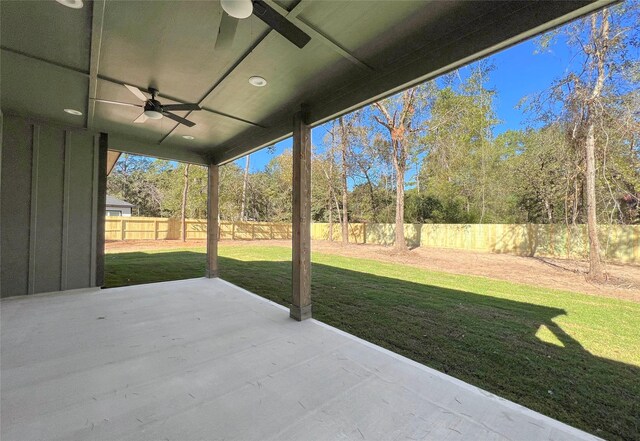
(49,181)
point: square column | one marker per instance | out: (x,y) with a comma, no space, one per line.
(301,219)
(212,221)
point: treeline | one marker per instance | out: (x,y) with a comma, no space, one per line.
(433,153)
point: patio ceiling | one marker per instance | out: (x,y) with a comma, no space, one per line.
(54,57)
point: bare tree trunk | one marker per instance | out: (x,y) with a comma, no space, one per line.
(331,195)
(343,182)
(547,207)
(595,263)
(330,218)
(401,243)
(372,195)
(600,42)
(185,192)
(245,180)
(399,127)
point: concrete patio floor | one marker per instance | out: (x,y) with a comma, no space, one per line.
(202,359)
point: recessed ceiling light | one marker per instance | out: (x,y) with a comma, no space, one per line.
(257,81)
(189,137)
(73,112)
(74,4)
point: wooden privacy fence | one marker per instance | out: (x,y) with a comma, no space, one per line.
(620,243)
(158,228)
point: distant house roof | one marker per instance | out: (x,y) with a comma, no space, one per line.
(115,202)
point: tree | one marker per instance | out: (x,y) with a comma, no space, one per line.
(183,212)
(397,115)
(344,134)
(229,193)
(462,165)
(344,147)
(588,96)
(134,179)
(245,181)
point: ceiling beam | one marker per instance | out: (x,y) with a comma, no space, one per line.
(43,60)
(127,144)
(317,34)
(97,22)
(235,118)
(229,155)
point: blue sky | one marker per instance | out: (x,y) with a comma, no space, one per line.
(519,72)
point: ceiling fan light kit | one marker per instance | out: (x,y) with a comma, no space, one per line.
(237,8)
(73,4)
(152,114)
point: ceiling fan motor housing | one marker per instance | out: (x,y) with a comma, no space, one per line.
(153,109)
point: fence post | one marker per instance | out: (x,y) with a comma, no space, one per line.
(155,229)
(233,231)
(253,231)
(122,231)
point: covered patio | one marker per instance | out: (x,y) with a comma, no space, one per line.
(202,359)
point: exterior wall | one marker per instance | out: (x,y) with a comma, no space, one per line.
(124,211)
(49,227)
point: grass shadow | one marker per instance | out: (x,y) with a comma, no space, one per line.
(487,341)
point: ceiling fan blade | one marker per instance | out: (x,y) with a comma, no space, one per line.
(188,106)
(137,92)
(142,118)
(179,119)
(280,24)
(226,32)
(116,102)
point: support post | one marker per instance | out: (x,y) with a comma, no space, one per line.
(301,219)
(212,222)
(101,207)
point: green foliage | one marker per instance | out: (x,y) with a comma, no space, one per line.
(135,179)
(155,187)
(599,92)
(463,163)
(171,184)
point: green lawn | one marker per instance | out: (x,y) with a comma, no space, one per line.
(571,356)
